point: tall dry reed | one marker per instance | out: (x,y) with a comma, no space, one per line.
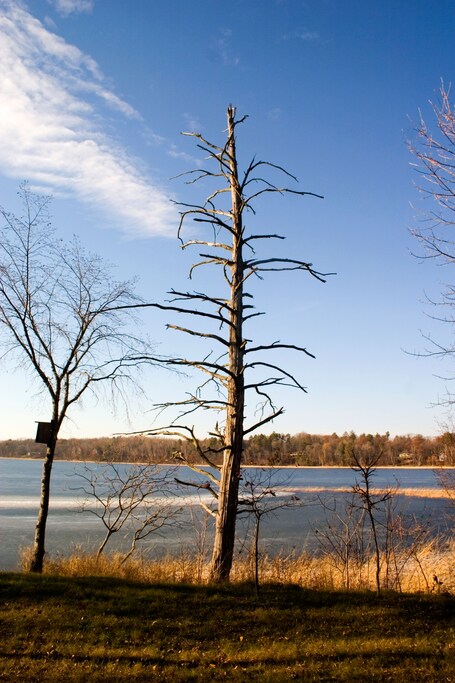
(426,568)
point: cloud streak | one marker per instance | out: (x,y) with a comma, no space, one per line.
(305,35)
(222,50)
(53,96)
(67,7)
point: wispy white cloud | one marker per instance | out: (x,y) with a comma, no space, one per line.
(192,124)
(176,153)
(222,50)
(308,36)
(67,7)
(304,35)
(51,132)
(274,114)
(152,139)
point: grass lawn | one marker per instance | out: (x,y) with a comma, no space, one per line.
(105,629)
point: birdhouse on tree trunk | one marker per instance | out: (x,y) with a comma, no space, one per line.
(44,432)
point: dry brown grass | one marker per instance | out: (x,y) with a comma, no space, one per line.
(426,568)
(434,493)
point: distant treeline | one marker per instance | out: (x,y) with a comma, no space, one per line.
(261,449)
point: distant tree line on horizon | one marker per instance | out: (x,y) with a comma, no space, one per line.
(274,449)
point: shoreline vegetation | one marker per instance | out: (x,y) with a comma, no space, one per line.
(273,450)
(427,565)
(438,493)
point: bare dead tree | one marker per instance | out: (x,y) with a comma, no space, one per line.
(342,536)
(135,500)
(434,151)
(348,541)
(259,496)
(446,480)
(239,367)
(57,322)
(445,472)
(371,502)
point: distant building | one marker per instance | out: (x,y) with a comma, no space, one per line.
(406,458)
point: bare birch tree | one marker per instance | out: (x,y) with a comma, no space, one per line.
(57,322)
(240,367)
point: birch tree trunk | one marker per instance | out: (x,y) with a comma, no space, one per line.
(37,561)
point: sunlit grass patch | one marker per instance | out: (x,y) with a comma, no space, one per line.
(107,629)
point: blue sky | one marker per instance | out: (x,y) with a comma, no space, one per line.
(94,95)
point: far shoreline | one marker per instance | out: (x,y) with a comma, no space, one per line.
(267,467)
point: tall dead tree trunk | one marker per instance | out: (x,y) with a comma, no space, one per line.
(223,326)
(223,547)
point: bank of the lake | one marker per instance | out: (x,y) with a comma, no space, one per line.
(288,530)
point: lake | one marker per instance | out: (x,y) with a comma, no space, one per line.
(287,529)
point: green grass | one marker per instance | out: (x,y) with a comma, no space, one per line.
(107,629)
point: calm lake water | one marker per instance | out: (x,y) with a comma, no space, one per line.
(286,530)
